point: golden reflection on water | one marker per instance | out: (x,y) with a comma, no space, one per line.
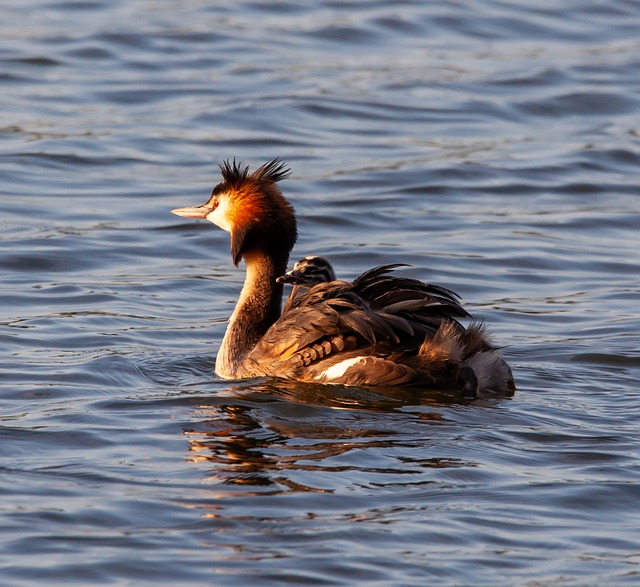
(273,432)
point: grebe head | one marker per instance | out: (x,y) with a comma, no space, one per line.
(252,208)
(309,271)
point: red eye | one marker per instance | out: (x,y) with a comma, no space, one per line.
(215,203)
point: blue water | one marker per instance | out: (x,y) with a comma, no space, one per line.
(493,146)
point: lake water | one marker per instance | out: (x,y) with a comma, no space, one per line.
(493,146)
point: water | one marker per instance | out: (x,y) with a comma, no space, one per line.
(493,146)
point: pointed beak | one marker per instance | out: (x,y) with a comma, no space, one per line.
(291,277)
(193,211)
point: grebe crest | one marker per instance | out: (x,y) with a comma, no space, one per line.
(252,208)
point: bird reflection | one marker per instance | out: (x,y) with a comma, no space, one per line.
(279,436)
(230,440)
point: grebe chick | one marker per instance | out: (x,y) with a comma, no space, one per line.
(306,272)
(378,330)
(309,271)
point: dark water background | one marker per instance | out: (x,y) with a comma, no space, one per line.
(494,146)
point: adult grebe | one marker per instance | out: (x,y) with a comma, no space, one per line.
(378,330)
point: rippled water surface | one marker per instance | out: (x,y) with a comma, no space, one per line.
(493,146)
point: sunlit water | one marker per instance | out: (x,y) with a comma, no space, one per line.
(493,146)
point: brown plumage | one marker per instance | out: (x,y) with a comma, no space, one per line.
(380,329)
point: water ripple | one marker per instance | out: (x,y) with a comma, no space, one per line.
(492,146)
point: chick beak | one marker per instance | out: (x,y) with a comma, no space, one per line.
(291,277)
(193,211)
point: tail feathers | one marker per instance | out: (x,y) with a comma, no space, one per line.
(492,372)
(479,365)
(445,346)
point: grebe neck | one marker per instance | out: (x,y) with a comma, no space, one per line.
(256,310)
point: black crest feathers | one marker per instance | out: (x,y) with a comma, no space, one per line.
(272,172)
(235,175)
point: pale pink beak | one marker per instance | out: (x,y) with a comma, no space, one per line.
(193,211)
(290,277)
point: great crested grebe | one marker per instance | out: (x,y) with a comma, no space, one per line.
(379,330)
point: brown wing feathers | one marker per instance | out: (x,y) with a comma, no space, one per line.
(383,290)
(376,316)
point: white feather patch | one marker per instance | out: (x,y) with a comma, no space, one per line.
(338,370)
